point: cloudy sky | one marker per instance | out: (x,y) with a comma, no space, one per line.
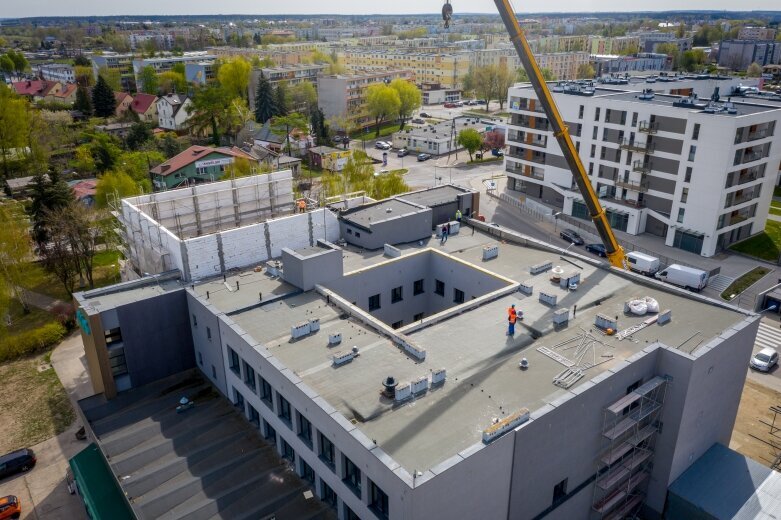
(23,8)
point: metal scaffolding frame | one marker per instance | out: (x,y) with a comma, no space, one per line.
(624,464)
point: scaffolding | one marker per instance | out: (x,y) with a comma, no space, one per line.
(628,438)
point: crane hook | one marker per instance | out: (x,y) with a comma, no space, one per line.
(447,13)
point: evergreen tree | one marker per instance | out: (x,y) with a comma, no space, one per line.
(280,97)
(83,103)
(319,127)
(50,193)
(103,99)
(265,104)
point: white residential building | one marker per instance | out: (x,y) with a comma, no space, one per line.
(172,111)
(57,72)
(661,164)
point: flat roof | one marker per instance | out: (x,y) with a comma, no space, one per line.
(483,379)
(365,216)
(432,197)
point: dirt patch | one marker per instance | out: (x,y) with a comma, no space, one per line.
(34,403)
(754,408)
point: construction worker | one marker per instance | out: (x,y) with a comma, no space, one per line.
(301,206)
(458,216)
(512,317)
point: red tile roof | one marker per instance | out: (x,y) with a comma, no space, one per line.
(67,90)
(193,154)
(85,188)
(120,96)
(36,87)
(142,102)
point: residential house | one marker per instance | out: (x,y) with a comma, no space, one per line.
(66,95)
(145,106)
(195,165)
(84,191)
(36,90)
(172,112)
(298,140)
(124,100)
(328,158)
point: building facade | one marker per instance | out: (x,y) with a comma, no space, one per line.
(173,112)
(757,33)
(739,54)
(700,179)
(447,69)
(195,165)
(290,75)
(57,72)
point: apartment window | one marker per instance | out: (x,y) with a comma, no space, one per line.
(374,302)
(378,500)
(593,150)
(634,119)
(195,320)
(594,132)
(684,195)
(214,372)
(560,491)
(249,377)
(254,416)
(233,361)
(591,168)
(238,399)
(418,317)
(580,112)
(200,359)
(688,176)
(349,514)
(326,450)
(596,115)
(208,333)
(284,409)
(696,132)
(417,287)
(265,392)
(397,294)
(352,475)
(269,433)
(304,429)
(307,473)
(327,494)
(287,451)
(692,151)
(681,212)
(439,287)
(458,296)
(397,324)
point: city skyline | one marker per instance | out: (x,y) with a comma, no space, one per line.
(39,8)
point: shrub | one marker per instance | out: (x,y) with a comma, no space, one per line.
(30,342)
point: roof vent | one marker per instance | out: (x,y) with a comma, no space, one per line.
(388,210)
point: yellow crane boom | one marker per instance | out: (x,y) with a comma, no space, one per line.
(614,251)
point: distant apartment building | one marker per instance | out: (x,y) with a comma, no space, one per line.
(650,40)
(434,94)
(699,175)
(342,97)
(564,65)
(166,63)
(757,33)
(279,57)
(290,75)
(162,40)
(122,63)
(613,45)
(560,44)
(201,72)
(57,72)
(739,54)
(642,61)
(447,69)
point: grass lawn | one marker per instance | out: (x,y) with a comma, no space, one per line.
(385,130)
(35,405)
(400,171)
(490,158)
(765,245)
(774,210)
(21,322)
(777,191)
(744,282)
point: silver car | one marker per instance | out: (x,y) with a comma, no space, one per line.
(764,360)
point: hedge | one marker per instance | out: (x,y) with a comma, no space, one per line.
(31,342)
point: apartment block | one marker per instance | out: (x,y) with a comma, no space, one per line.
(757,33)
(291,75)
(57,72)
(342,97)
(166,63)
(698,174)
(739,54)
(447,69)
(564,65)
(613,45)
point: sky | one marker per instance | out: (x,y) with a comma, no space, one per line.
(25,8)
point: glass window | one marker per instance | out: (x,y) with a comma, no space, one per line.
(304,429)
(692,151)
(560,491)
(397,324)
(594,133)
(195,320)
(580,112)
(238,399)
(684,194)
(249,377)
(284,409)
(214,372)
(208,333)
(688,176)
(253,415)
(596,115)
(265,392)
(307,473)
(327,494)
(681,212)
(397,294)
(418,287)
(200,359)
(233,361)
(419,316)
(349,514)
(352,475)
(269,433)
(439,287)
(696,132)
(378,500)
(374,302)
(287,451)
(326,450)
(458,296)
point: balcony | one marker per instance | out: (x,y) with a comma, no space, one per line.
(634,146)
(625,202)
(525,170)
(648,128)
(640,187)
(642,167)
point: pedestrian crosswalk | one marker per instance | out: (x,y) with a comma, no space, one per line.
(768,336)
(720,282)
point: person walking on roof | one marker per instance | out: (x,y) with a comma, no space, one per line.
(443,237)
(458,216)
(512,317)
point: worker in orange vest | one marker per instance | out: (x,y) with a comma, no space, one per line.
(512,317)
(301,206)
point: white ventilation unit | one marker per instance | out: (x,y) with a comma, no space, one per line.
(490,252)
(438,376)
(393,252)
(274,268)
(403,391)
(340,358)
(606,322)
(413,349)
(526,287)
(549,299)
(335,339)
(567,281)
(420,385)
(300,330)
(664,317)
(314,324)
(541,267)
(504,425)
(560,316)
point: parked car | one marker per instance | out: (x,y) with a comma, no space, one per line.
(597,249)
(423,157)
(10,507)
(403,152)
(450,105)
(764,360)
(570,235)
(497,152)
(687,277)
(642,263)
(472,102)
(459,103)
(425,114)
(16,461)
(382,145)
(419,121)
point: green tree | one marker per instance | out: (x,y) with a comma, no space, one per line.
(213,110)
(83,102)
(15,253)
(84,76)
(285,124)
(150,83)
(114,184)
(6,64)
(484,81)
(170,81)
(671,50)
(14,126)
(103,101)
(410,99)
(585,71)
(20,62)
(139,134)
(81,61)
(168,144)
(137,166)
(522,77)
(754,70)
(233,75)
(265,104)
(303,95)
(49,193)
(470,139)
(111,76)
(504,80)
(280,99)
(382,103)
(692,60)
(319,126)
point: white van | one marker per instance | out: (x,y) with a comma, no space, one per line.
(682,276)
(642,263)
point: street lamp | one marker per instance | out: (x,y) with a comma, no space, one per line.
(556,221)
